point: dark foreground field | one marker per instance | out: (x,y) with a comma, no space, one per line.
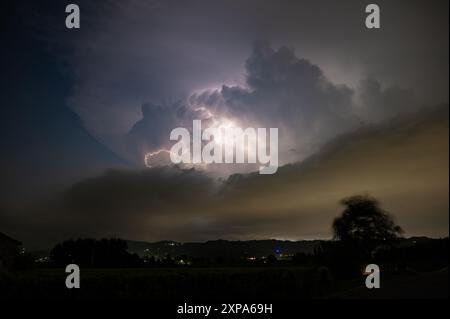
(259,284)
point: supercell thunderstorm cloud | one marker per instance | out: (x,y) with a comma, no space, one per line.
(356,112)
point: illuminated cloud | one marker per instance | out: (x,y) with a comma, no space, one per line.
(282,91)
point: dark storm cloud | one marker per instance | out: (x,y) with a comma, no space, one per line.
(379,105)
(137,191)
(290,90)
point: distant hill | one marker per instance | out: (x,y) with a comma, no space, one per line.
(223,248)
(239,249)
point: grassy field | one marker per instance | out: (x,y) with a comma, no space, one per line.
(259,284)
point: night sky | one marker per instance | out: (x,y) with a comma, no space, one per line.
(359,111)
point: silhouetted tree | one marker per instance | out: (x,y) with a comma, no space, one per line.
(365,222)
(362,227)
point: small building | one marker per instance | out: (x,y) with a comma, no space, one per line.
(9,250)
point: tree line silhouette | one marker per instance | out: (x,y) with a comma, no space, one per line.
(94,253)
